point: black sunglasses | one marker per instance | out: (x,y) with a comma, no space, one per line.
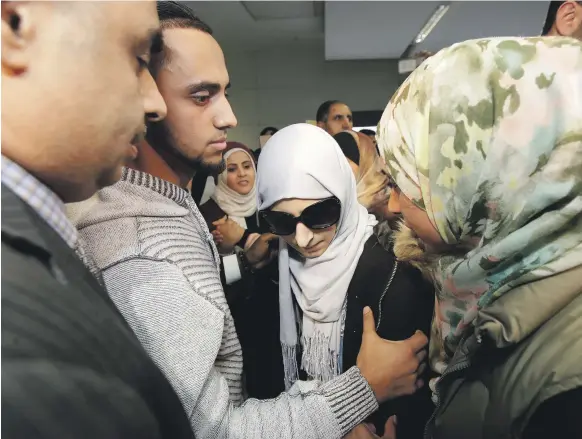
(321,215)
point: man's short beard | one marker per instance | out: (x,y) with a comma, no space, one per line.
(211,168)
(160,137)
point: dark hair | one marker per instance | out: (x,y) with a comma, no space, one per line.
(368,132)
(348,145)
(174,15)
(268,130)
(323,110)
(551,16)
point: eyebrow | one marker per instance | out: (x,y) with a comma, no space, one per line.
(212,87)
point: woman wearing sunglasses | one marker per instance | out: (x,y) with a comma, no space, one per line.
(256,295)
(331,266)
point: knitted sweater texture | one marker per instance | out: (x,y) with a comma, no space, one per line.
(152,249)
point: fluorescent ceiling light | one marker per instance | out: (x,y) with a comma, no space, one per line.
(430,24)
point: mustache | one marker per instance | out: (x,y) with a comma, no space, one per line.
(161,138)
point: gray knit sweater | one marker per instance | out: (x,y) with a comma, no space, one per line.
(153,251)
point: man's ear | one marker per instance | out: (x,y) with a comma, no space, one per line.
(321,125)
(568,19)
(17,35)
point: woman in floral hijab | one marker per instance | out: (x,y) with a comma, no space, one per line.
(484,143)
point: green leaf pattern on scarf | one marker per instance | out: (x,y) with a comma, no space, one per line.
(486,137)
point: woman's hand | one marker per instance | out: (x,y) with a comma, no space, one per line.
(227,234)
(251,240)
(259,253)
(367,431)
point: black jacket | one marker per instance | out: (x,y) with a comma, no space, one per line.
(254,304)
(71,367)
(399,310)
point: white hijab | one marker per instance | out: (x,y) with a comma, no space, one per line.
(303,161)
(235,205)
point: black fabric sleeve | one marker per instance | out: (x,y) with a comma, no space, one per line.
(198,185)
(399,311)
(46,400)
(558,417)
(211,212)
(242,242)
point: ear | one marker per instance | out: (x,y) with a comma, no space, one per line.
(568,19)
(17,35)
(321,125)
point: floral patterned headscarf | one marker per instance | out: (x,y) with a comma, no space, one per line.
(486,137)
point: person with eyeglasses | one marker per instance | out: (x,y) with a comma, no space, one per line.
(331,267)
(486,155)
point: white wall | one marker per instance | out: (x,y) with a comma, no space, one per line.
(281,87)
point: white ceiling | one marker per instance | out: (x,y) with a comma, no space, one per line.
(371,30)
(477,19)
(363,29)
(234,26)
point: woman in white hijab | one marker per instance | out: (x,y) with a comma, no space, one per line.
(331,266)
(234,197)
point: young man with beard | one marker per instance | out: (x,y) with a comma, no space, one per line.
(75,90)
(159,263)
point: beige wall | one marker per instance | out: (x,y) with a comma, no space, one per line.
(278,88)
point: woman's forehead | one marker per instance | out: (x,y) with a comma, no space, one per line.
(238,156)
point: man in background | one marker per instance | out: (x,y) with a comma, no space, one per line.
(564,19)
(75,91)
(161,267)
(334,117)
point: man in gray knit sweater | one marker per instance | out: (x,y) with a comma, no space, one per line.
(153,251)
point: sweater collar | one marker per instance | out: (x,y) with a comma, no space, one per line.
(162,187)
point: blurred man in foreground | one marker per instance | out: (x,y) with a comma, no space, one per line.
(75,91)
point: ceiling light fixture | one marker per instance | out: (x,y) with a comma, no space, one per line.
(431,23)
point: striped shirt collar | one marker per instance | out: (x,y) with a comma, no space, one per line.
(40,198)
